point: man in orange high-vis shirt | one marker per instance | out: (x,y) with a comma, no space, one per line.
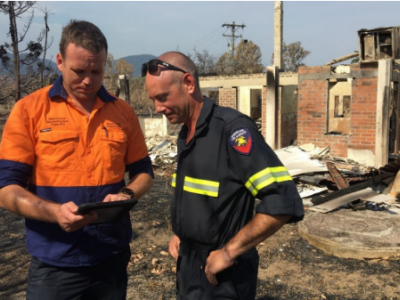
(68,144)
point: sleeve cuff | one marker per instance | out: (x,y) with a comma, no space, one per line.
(141,166)
(12,172)
(282,205)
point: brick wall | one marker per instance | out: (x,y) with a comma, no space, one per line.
(363,113)
(312,109)
(264,112)
(227,97)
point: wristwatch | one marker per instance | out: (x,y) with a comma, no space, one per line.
(127,191)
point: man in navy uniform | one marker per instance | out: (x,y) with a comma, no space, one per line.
(223,165)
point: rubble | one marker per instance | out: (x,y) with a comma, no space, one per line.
(162,152)
(325,183)
(328,183)
(351,209)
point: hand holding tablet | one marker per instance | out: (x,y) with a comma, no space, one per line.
(107,211)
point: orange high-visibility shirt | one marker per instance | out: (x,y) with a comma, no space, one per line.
(51,147)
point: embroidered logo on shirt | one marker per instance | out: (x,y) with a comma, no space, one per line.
(242,141)
(45,130)
(57,121)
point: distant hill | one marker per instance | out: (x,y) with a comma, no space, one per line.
(24,68)
(137,61)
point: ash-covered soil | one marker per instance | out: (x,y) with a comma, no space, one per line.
(289,267)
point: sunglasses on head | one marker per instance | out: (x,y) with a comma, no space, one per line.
(152,67)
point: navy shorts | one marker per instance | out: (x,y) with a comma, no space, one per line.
(238,282)
(105,281)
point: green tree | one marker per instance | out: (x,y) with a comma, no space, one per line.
(113,70)
(205,62)
(110,77)
(123,67)
(247,60)
(140,100)
(138,97)
(292,56)
(224,65)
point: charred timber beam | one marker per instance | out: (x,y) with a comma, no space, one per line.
(376,181)
(341,182)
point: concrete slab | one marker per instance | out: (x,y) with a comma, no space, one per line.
(346,233)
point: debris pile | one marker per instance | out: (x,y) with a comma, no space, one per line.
(162,152)
(327,183)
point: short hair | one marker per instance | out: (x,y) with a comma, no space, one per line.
(189,66)
(83,34)
(185,63)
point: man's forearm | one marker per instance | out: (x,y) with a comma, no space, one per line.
(18,200)
(141,184)
(257,230)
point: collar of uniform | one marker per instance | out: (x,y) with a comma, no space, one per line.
(205,113)
(58,90)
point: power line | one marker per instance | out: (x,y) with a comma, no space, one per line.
(218,38)
(205,38)
(213,33)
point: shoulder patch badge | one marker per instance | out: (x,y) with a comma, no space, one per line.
(242,141)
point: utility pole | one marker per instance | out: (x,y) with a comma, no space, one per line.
(233,27)
(278,33)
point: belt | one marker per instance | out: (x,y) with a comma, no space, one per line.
(190,245)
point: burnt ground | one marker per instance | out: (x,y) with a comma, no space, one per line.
(289,267)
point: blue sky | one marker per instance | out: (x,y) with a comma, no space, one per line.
(326,28)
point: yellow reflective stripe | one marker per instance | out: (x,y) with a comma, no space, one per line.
(266,177)
(173,183)
(201,186)
(202,181)
(200,192)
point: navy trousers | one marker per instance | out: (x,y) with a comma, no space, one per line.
(105,281)
(239,282)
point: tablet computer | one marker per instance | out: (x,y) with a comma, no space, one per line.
(107,211)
